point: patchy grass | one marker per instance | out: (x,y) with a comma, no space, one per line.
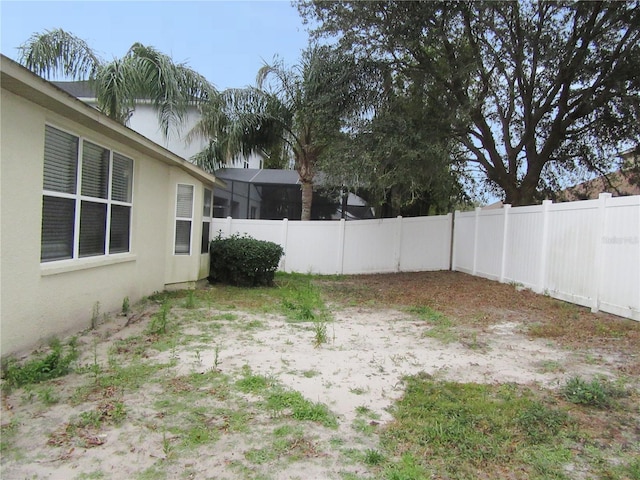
(440,326)
(168,386)
(474,301)
(57,361)
(466,430)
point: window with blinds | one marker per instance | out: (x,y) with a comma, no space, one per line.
(184,219)
(87,195)
(207,213)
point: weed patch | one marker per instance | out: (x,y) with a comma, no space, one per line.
(251,383)
(280,401)
(56,363)
(598,393)
(160,321)
(470,430)
(301,301)
(441,326)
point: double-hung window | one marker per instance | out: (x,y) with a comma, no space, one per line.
(86,199)
(207,213)
(184,219)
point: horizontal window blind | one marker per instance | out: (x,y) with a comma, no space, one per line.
(93,227)
(58,217)
(121,178)
(184,213)
(120,228)
(80,215)
(183,237)
(184,203)
(60,161)
(95,170)
(208,200)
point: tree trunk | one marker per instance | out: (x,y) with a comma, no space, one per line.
(519,196)
(307,198)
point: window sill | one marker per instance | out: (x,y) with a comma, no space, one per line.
(64,266)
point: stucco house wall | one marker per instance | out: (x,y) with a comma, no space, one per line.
(43,299)
(144,120)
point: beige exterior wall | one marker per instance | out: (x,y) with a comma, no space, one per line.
(37,300)
(181,269)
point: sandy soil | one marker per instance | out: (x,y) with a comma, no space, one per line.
(369,350)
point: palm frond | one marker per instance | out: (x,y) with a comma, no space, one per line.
(116,90)
(211,158)
(59,52)
(170,87)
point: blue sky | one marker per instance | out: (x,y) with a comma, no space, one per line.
(226,41)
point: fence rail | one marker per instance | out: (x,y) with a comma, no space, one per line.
(585,252)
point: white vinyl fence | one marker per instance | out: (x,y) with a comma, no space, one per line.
(363,246)
(585,252)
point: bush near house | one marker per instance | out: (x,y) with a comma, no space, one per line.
(243,261)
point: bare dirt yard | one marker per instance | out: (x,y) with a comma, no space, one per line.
(400,376)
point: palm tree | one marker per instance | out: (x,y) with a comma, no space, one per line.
(300,108)
(143,73)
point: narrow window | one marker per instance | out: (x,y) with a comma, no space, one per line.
(184,219)
(121,188)
(58,201)
(207,212)
(93,214)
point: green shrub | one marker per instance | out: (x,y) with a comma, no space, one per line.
(243,261)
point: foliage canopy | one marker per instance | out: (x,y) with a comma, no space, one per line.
(531,91)
(297,109)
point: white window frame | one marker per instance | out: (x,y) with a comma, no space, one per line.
(183,219)
(78,198)
(206,217)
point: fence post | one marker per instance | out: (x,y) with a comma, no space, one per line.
(599,260)
(398,243)
(451,218)
(454,258)
(283,241)
(505,227)
(340,266)
(228,227)
(544,246)
(475,240)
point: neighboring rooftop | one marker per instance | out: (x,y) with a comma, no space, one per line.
(620,183)
(259,176)
(79,89)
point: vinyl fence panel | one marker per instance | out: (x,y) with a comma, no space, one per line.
(372,246)
(619,286)
(464,242)
(524,246)
(571,251)
(585,252)
(313,247)
(363,246)
(490,246)
(426,243)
